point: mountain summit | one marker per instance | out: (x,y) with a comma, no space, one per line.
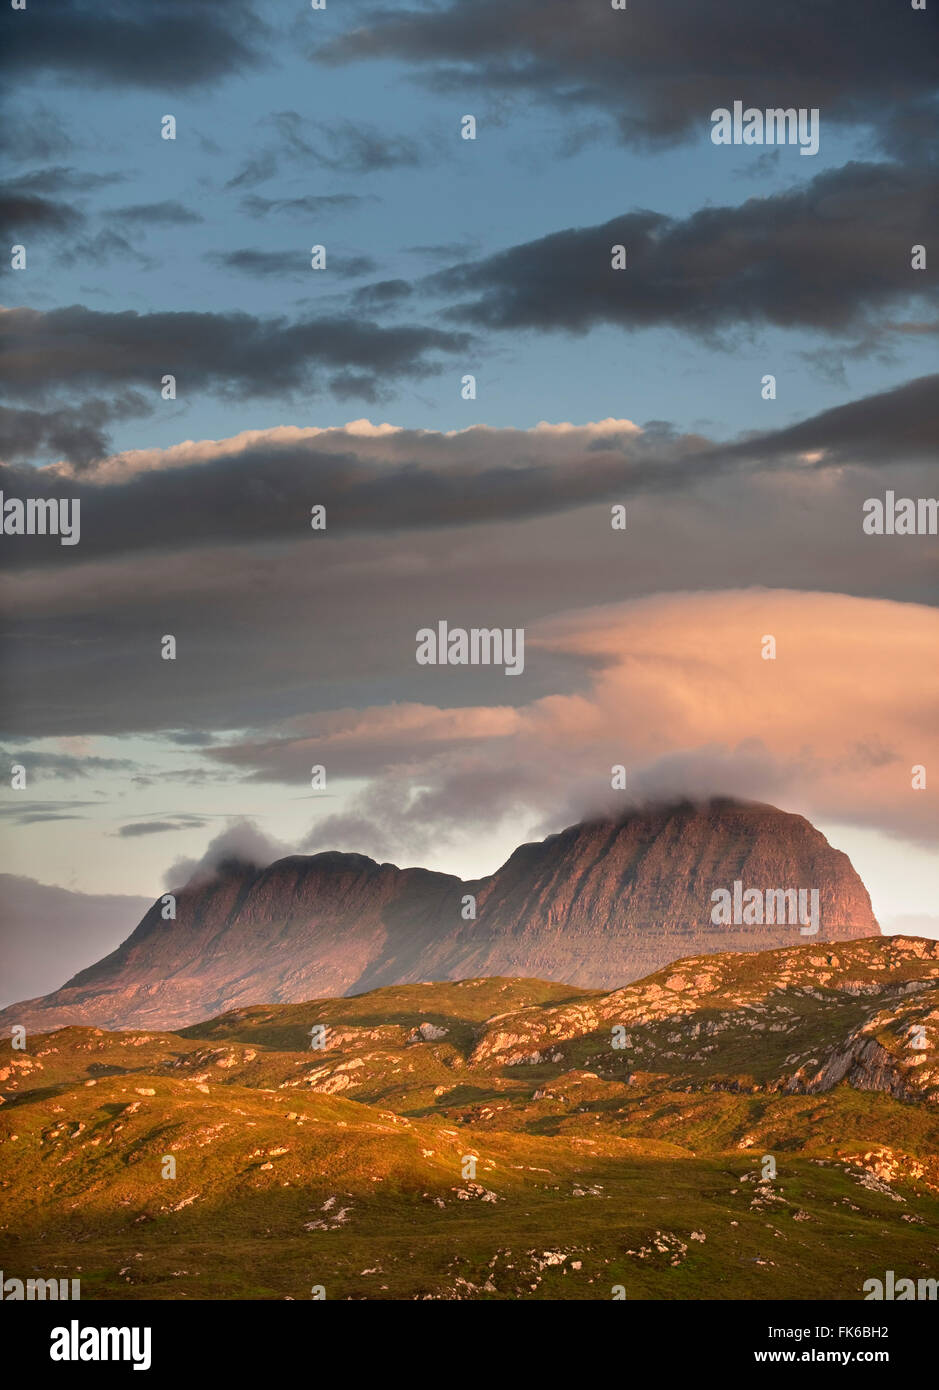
(601,904)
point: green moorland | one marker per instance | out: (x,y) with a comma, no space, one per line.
(620,1139)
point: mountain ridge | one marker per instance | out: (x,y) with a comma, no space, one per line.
(598,904)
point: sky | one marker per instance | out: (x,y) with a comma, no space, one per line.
(344,387)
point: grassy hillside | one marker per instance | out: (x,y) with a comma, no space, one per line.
(596,1166)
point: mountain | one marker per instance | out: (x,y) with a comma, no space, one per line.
(620,1139)
(602,903)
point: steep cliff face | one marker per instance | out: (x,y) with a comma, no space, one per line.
(304,926)
(603,903)
(607,901)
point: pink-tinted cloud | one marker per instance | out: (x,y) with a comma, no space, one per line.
(676,689)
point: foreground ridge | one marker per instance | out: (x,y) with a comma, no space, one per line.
(735,1126)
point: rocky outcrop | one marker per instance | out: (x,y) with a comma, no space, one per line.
(708,1008)
(603,903)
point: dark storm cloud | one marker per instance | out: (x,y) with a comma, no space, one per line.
(79,349)
(826,255)
(123,43)
(659,70)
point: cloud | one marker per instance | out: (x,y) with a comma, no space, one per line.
(793,259)
(676,690)
(212,540)
(22,214)
(383,295)
(74,433)
(44,136)
(309,205)
(384,479)
(443,251)
(102,249)
(75,348)
(240,844)
(279,264)
(354,147)
(657,71)
(257,169)
(62,179)
(133,830)
(902,422)
(23,812)
(32,205)
(357,743)
(392,823)
(343,146)
(167,213)
(120,43)
(63,766)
